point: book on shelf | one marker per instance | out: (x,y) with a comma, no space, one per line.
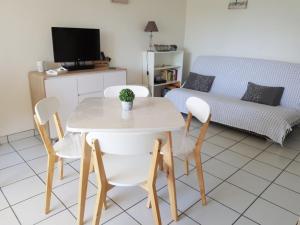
(169,75)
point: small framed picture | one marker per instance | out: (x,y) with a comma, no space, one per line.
(120,1)
(238,4)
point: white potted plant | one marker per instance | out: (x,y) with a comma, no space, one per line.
(126,97)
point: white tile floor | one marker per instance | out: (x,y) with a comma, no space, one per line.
(248,181)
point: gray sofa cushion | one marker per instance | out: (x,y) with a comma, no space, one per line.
(263,94)
(199,82)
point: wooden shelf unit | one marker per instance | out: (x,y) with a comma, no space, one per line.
(154,63)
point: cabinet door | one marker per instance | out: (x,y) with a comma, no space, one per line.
(91,95)
(114,78)
(90,83)
(65,89)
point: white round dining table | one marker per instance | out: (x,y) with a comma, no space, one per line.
(106,115)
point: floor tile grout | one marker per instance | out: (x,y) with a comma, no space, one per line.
(40,180)
(222,181)
(10,207)
(235,173)
(272,182)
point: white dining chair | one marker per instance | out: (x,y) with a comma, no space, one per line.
(124,159)
(113,91)
(199,109)
(67,147)
(185,147)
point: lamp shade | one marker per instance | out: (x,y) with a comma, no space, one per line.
(151,27)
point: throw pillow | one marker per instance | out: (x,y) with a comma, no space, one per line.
(199,82)
(263,94)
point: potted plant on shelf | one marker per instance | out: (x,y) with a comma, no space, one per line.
(126,97)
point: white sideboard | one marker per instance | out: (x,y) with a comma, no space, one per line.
(73,87)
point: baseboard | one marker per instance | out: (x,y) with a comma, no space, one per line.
(18,136)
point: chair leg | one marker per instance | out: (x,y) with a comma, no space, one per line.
(51,165)
(148,204)
(155,207)
(61,168)
(200,177)
(161,162)
(186,167)
(91,166)
(105,204)
(100,202)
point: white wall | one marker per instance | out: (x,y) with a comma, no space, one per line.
(267,29)
(25,37)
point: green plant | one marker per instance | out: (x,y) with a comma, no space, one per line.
(126,95)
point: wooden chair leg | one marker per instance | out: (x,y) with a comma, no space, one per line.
(91,167)
(161,162)
(148,204)
(50,173)
(84,173)
(100,202)
(171,178)
(61,168)
(186,167)
(103,185)
(200,177)
(105,205)
(155,207)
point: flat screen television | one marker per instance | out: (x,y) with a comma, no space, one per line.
(76,45)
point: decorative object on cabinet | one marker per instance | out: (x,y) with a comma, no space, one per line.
(103,62)
(150,28)
(165,48)
(40,65)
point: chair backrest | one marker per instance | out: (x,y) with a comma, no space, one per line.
(128,143)
(199,108)
(46,108)
(114,91)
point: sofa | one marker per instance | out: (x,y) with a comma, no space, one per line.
(231,79)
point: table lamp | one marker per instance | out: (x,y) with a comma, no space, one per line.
(151,27)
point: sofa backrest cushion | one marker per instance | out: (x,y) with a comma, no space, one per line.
(199,82)
(263,94)
(233,74)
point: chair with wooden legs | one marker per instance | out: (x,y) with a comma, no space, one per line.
(185,146)
(201,111)
(125,159)
(67,147)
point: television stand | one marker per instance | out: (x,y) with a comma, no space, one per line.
(79,67)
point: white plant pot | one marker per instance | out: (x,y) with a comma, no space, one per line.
(127,106)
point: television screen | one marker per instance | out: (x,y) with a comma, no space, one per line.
(75,44)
